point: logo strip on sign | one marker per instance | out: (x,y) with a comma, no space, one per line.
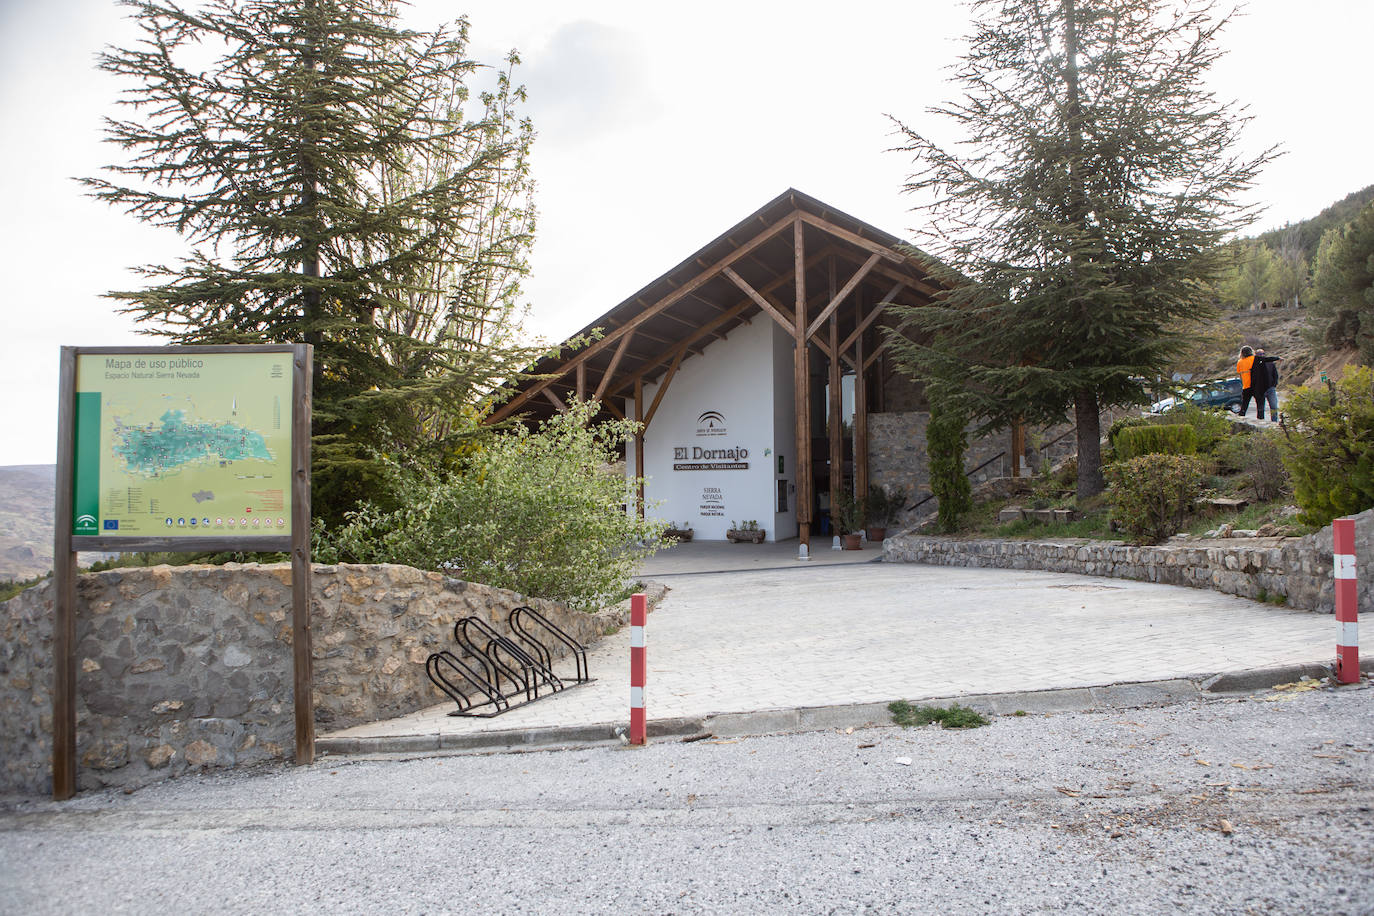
(86,485)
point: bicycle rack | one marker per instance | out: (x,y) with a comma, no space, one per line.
(492,668)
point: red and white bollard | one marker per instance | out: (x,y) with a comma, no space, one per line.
(1347,602)
(638,669)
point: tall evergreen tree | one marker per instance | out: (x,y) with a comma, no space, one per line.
(338,185)
(1343,286)
(1083,210)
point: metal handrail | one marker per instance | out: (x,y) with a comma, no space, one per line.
(929,496)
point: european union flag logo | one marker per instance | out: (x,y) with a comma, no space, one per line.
(111,524)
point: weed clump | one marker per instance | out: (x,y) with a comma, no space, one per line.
(906,715)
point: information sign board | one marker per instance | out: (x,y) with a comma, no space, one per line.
(182,444)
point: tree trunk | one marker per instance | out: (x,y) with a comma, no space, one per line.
(1085,415)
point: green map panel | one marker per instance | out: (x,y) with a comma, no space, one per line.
(183,445)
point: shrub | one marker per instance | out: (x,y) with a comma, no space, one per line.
(946,441)
(1329,447)
(1174,439)
(539,512)
(1262,463)
(1153,494)
(1211,426)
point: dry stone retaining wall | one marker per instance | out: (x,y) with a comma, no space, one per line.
(190,667)
(1299,569)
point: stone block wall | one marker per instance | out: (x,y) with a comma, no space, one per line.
(190,667)
(897,456)
(1299,569)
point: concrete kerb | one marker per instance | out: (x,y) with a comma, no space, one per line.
(856,715)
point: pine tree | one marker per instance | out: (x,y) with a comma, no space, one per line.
(1343,285)
(338,185)
(1082,217)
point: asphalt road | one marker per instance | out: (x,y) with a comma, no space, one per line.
(1259,804)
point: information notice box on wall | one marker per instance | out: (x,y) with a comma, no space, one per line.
(197,448)
(189,447)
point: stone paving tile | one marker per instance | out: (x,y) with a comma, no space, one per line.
(831,634)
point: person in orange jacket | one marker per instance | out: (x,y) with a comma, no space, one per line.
(1243,367)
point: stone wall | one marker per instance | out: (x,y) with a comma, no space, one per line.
(897,456)
(1299,569)
(190,667)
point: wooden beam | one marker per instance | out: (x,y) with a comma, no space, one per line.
(853,238)
(860,413)
(760,301)
(663,389)
(836,407)
(837,298)
(555,400)
(582,381)
(695,283)
(614,411)
(64,589)
(877,351)
(639,441)
(887,270)
(868,319)
(610,370)
(801,386)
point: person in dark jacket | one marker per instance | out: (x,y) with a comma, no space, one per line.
(1264,381)
(1243,366)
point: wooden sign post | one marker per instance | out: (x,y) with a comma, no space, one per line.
(202,448)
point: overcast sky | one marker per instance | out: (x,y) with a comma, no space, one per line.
(660,126)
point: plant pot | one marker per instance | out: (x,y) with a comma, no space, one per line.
(852,541)
(740,535)
(682,534)
(876,534)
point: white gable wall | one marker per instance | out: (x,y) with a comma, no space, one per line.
(721,411)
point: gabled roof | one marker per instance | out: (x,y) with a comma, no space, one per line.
(746,271)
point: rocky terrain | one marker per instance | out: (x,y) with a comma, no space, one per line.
(26,512)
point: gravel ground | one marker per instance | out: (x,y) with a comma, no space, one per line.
(1222,805)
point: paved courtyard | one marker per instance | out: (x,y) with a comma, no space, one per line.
(747,628)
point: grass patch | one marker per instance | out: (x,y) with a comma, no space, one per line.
(1252,517)
(956,716)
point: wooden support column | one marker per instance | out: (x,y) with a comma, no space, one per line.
(639,441)
(860,409)
(64,591)
(836,385)
(1018,447)
(801,381)
(582,381)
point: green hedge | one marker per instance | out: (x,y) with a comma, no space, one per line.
(1134,441)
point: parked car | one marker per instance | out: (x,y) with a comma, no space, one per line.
(1223,393)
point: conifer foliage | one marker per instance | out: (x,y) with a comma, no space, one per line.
(338,183)
(1081,211)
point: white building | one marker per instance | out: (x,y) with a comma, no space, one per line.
(735,360)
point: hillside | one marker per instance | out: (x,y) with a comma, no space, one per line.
(26,514)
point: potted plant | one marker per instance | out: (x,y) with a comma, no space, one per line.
(683,534)
(847,512)
(884,506)
(749,531)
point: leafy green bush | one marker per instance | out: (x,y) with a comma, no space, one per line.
(1329,447)
(540,512)
(1154,494)
(1174,439)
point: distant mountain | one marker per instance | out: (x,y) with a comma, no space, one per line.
(26,514)
(1309,232)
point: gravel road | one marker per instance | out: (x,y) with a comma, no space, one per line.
(1259,804)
